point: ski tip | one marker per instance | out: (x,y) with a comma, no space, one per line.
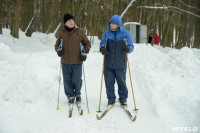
(58,108)
(98,117)
(134,118)
(70,114)
(81,112)
(88,112)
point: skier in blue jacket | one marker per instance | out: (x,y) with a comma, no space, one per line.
(115,65)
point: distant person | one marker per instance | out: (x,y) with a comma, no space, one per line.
(156,38)
(150,39)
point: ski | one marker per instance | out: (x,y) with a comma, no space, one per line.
(128,112)
(80,110)
(70,109)
(104,113)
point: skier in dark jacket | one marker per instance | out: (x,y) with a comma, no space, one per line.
(115,64)
(150,39)
(72,57)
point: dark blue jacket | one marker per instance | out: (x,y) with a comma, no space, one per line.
(116,57)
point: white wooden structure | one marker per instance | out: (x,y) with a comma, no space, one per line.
(138,31)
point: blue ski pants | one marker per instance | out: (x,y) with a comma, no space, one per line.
(120,76)
(72,74)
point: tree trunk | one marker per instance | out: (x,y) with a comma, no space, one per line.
(33,25)
(179,42)
(1,16)
(27,14)
(16,20)
(197,35)
(0,28)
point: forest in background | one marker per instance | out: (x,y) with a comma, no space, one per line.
(177,22)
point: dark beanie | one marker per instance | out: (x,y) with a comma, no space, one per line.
(67,17)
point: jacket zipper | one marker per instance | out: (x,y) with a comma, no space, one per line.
(68,43)
(68,47)
(114,51)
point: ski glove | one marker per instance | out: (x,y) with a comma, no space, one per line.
(103,50)
(83,55)
(126,48)
(60,52)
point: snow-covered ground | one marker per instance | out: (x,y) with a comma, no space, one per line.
(165,81)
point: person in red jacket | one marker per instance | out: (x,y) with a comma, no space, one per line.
(156,38)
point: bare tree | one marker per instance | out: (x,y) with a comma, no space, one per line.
(16,20)
(34,22)
(1,16)
(176,21)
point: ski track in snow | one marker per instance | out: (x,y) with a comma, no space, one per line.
(165,83)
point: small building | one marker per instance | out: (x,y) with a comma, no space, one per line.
(138,31)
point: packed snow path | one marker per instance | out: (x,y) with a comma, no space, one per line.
(165,82)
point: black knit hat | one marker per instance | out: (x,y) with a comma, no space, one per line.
(67,17)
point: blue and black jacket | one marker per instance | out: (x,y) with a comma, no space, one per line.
(116,57)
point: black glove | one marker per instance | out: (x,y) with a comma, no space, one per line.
(84,55)
(60,52)
(126,48)
(103,50)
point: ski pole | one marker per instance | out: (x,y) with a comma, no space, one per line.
(131,81)
(86,90)
(101,84)
(59,80)
(102,78)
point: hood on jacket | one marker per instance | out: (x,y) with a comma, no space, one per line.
(116,19)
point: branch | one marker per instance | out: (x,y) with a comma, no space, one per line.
(56,30)
(188,6)
(168,7)
(29,24)
(129,5)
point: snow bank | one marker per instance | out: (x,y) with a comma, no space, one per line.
(170,82)
(6,53)
(27,72)
(183,62)
(166,85)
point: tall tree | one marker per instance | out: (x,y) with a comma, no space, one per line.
(33,24)
(1,16)
(16,19)
(176,21)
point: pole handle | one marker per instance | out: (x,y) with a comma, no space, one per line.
(61,43)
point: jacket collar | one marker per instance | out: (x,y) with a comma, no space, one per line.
(75,28)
